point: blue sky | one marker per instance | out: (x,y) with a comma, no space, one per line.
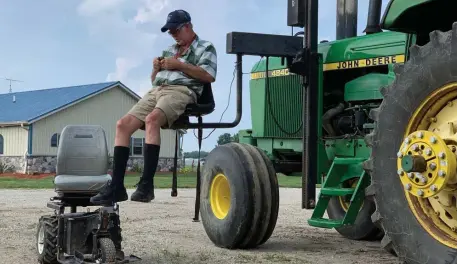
(54,43)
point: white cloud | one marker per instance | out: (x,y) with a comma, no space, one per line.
(116,25)
(149,11)
(123,66)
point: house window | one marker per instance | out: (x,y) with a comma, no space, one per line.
(136,146)
(55,140)
(1,144)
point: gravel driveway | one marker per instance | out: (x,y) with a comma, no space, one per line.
(163,232)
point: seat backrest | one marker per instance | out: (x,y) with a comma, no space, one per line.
(82,151)
(207,98)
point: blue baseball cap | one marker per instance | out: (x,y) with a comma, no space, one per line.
(176,19)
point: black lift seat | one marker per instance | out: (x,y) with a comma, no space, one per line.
(205,105)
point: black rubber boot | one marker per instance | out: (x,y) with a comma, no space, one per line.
(110,194)
(115,190)
(144,192)
(145,188)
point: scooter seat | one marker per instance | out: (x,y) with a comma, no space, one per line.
(82,160)
(78,184)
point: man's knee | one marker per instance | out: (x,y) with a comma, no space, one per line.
(128,124)
(156,118)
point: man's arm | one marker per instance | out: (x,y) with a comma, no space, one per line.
(207,64)
(196,72)
(204,71)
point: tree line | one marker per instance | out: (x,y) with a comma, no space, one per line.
(223,139)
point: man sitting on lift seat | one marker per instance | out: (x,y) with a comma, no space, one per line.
(177,78)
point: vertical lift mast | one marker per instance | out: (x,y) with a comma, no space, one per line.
(310,102)
(302,58)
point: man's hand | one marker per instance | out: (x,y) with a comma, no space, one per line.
(171,64)
(157,65)
(156,68)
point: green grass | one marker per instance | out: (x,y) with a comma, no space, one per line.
(160,181)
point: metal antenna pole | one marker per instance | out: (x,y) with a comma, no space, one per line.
(12,80)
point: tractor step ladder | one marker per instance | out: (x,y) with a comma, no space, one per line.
(331,188)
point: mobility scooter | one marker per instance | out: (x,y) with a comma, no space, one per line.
(80,236)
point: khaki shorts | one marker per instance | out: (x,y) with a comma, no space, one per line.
(171,99)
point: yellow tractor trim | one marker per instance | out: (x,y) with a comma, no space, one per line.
(427,164)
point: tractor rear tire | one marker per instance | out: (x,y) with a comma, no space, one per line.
(430,67)
(239,196)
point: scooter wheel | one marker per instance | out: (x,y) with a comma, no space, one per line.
(46,240)
(106,250)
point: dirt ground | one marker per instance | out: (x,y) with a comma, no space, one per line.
(163,232)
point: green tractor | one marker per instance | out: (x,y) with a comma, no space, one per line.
(352,71)
(373,118)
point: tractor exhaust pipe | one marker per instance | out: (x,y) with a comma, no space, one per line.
(346,18)
(374,16)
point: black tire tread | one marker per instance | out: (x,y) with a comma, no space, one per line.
(386,244)
(108,250)
(274,196)
(50,225)
(256,194)
(264,179)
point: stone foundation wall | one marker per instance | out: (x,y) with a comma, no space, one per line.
(12,164)
(47,164)
(43,164)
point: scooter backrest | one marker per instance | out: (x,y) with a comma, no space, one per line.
(82,151)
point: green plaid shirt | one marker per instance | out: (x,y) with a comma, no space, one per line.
(201,53)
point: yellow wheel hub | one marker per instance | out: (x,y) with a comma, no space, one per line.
(220,196)
(344,200)
(427,164)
